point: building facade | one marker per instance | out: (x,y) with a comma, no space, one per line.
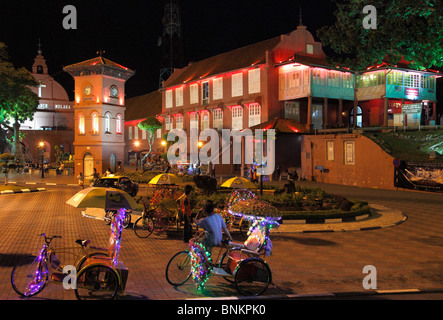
(53,123)
(99,114)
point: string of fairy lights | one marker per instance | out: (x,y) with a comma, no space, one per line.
(201,261)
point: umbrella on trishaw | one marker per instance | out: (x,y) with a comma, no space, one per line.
(108,199)
(110,266)
(165,178)
(238,183)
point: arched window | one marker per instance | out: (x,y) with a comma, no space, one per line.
(81,124)
(107,122)
(95,123)
(118,124)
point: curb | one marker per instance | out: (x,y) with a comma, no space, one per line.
(22,191)
(327,294)
(321,221)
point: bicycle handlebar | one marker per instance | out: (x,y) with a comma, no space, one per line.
(49,239)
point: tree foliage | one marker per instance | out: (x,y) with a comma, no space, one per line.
(150,125)
(17,101)
(412,29)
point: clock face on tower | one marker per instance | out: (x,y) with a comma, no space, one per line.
(114,91)
(88,90)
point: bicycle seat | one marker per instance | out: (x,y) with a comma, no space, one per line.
(83,243)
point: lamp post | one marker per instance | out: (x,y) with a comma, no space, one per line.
(42,153)
(137,145)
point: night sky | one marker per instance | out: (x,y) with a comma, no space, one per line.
(129,30)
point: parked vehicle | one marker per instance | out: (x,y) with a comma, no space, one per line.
(118,182)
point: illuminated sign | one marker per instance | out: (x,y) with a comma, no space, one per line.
(411,108)
(411,92)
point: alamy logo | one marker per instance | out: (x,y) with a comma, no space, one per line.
(246,148)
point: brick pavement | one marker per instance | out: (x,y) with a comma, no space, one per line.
(406,255)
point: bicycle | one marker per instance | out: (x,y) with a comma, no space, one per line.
(110,213)
(31,275)
(158,219)
(235,263)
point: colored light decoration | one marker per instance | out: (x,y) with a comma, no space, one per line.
(201,263)
(116,234)
(39,276)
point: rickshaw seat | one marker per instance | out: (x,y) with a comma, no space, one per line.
(83,243)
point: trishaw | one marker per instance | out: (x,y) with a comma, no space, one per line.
(240,263)
(99,272)
(160,212)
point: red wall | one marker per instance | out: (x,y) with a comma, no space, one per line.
(372,166)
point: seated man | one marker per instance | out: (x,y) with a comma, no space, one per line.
(214,224)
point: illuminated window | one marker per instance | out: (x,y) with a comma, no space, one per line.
(179,97)
(217,91)
(95,123)
(237,84)
(309,48)
(193,121)
(217,119)
(254,114)
(118,124)
(168,123)
(169,99)
(254,81)
(179,121)
(108,122)
(81,124)
(237,118)
(193,93)
(205,120)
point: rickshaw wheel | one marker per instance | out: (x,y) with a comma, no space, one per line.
(252,277)
(178,270)
(22,276)
(143,227)
(97,282)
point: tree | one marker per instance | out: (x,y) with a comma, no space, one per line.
(17,101)
(150,125)
(412,29)
(6,164)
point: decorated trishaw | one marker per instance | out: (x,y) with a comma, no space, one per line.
(100,274)
(240,263)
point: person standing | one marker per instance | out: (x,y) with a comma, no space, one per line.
(81,180)
(184,204)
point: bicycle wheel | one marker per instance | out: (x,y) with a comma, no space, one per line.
(143,227)
(178,270)
(29,276)
(108,215)
(97,282)
(83,259)
(126,220)
(252,277)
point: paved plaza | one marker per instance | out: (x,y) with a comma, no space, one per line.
(402,240)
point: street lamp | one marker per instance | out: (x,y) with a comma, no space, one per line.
(137,145)
(42,153)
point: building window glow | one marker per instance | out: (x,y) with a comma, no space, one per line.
(118,124)
(95,123)
(108,122)
(81,124)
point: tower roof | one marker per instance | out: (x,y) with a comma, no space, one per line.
(99,65)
